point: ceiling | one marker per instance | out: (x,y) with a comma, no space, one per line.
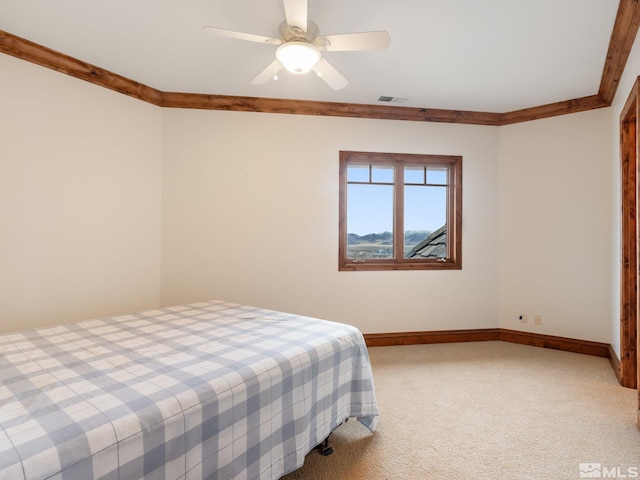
(473,55)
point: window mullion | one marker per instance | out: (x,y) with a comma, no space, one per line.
(398,221)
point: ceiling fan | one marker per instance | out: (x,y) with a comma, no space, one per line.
(300,46)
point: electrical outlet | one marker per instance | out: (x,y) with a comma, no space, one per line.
(523,318)
(537,319)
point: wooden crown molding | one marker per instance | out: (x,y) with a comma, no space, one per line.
(623,35)
(622,39)
(554,109)
(45,57)
(331,109)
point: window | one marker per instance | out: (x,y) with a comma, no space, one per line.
(400,211)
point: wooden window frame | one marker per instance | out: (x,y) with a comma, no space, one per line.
(453,259)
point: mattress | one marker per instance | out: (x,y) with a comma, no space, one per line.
(208,390)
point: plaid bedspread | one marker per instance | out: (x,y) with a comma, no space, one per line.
(208,390)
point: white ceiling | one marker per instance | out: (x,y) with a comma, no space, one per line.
(479,55)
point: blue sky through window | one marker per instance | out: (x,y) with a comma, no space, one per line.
(370,208)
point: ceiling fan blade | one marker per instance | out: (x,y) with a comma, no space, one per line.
(268,73)
(379,40)
(329,74)
(242,36)
(296,13)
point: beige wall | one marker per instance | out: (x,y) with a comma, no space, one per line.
(555,225)
(80,179)
(248,220)
(251,215)
(109,205)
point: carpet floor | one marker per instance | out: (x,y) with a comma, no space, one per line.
(489,411)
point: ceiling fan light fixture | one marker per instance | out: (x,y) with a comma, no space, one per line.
(298,57)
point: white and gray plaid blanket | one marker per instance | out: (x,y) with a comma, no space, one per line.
(209,390)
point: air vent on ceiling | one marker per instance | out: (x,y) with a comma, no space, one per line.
(393,99)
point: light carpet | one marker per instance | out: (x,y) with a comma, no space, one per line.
(487,410)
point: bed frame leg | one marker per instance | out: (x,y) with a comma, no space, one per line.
(325,449)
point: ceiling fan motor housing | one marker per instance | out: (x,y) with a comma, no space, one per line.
(295,33)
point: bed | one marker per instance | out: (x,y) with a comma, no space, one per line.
(208,390)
